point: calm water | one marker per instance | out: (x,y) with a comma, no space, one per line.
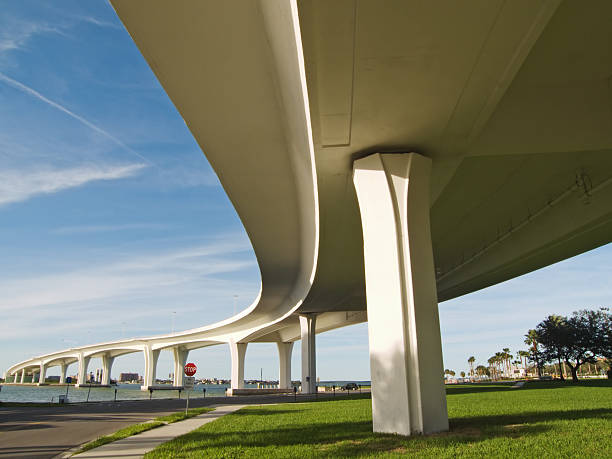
(46,394)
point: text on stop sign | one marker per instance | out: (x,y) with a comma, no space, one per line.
(190,369)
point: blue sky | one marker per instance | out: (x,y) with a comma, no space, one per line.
(112,223)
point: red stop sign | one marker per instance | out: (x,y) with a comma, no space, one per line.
(190,369)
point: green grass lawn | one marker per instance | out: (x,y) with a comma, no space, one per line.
(542,419)
(143,427)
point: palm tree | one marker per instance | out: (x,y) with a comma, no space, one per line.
(471,361)
(493,361)
(531,338)
(481,370)
(500,359)
(507,356)
(523,355)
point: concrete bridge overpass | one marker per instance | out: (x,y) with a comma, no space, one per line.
(384,156)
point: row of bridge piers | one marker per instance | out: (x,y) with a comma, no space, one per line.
(180,354)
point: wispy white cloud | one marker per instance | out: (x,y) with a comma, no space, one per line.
(19,185)
(32,92)
(99,22)
(14,34)
(192,269)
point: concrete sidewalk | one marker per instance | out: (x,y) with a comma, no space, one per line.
(137,446)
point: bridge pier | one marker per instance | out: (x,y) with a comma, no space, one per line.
(82,374)
(408,393)
(180,359)
(63,368)
(309,353)
(23,376)
(107,365)
(284,358)
(237,352)
(43,374)
(150,356)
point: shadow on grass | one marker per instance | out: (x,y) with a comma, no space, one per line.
(356,438)
(529,385)
(475,389)
(256,411)
(530,417)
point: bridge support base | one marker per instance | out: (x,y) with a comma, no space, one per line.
(180,359)
(150,357)
(107,366)
(82,374)
(63,368)
(408,395)
(284,358)
(309,353)
(237,351)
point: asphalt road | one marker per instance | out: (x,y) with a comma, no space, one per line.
(45,432)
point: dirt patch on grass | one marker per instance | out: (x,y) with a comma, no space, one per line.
(514,427)
(386,445)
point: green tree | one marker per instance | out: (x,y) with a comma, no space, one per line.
(506,356)
(471,361)
(523,356)
(554,334)
(481,370)
(576,340)
(531,339)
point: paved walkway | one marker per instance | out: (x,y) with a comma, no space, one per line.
(137,446)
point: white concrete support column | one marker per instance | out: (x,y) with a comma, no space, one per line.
(180,359)
(82,374)
(107,365)
(408,393)
(150,371)
(63,368)
(42,373)
(284,371)
(23,376)
(237,351)
(309,353)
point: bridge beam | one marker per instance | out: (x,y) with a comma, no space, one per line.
(150,357)
(180,359)
(284,358)
(408,393)
(309,353)
(237,352)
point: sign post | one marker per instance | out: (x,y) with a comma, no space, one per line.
(190,370)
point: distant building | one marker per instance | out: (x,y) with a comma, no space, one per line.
(128,377)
